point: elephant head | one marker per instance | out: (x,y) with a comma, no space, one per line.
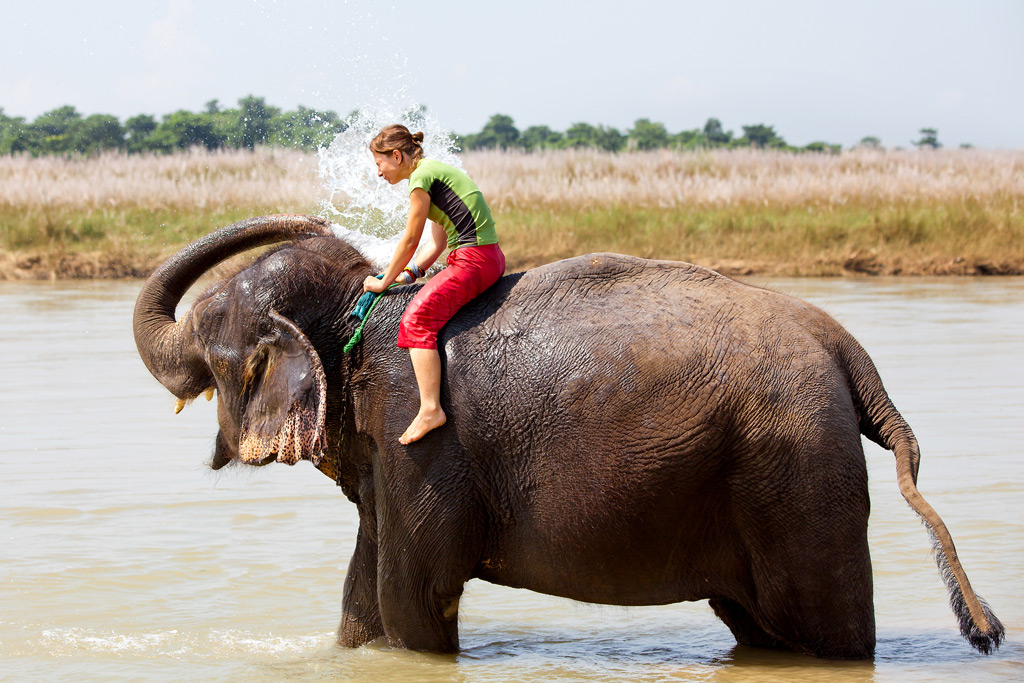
(244,338)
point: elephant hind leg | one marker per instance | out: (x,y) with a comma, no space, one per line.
(743,627)
(831,635)
(819,604)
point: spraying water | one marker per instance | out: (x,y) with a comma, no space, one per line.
(355,59)
(366,211)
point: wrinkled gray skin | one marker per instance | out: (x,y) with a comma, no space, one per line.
(620,431)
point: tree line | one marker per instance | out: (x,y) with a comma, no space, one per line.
(500,132)
(65,131)
(253,122)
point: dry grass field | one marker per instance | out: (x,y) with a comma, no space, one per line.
(739,211)
(900,212)
(117,215)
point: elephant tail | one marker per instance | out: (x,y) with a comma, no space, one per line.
(883,424)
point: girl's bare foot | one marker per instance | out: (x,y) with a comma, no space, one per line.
(425,421)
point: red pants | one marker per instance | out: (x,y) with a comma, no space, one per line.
(470,271)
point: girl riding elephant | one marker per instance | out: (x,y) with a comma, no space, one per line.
(460,221)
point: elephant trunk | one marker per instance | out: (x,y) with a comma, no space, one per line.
(165,344)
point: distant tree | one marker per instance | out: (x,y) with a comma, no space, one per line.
(689,139)
(212,107)
(305,128)
(870,142)
(54,131)
(183,129)
(501,129)
(714,135)
(761,136)
(255,120)
(966,145)
(498,133)
(540,137)
(822,147)
(243,127)
(97,133)
(929,139)
(227,127)
(138,130)
(12,134)
(580,135)
(647,135)
(138,127)
(610,139)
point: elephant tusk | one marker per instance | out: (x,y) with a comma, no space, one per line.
(209,394)
(178,405)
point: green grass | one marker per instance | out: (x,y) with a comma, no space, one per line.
(960,238)
(130,242)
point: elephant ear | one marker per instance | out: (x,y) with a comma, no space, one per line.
(285,398)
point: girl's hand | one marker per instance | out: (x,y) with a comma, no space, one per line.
(372,284)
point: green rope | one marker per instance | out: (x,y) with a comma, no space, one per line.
(357,336)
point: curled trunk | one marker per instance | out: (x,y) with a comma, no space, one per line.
(164,343)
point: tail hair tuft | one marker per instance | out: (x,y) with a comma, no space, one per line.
(985,642)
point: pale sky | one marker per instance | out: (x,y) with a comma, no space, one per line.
(815,70)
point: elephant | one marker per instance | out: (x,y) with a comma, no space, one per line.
(620,431)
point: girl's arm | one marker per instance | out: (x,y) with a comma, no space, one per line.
(429,253)
(419,205)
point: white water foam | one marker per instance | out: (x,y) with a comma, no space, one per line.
(366,211)
(212,644)
(66,641)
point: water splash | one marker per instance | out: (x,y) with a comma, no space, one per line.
(367,211)
(361,63)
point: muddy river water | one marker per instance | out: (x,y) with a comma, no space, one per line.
(123,557)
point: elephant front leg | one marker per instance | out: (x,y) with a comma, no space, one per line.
(419,614)
(360,610)
(426,556)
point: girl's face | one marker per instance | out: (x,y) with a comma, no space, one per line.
(393,166)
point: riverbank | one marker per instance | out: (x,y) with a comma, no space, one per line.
(742,212)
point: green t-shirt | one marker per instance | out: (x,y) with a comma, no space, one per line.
(456,204)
